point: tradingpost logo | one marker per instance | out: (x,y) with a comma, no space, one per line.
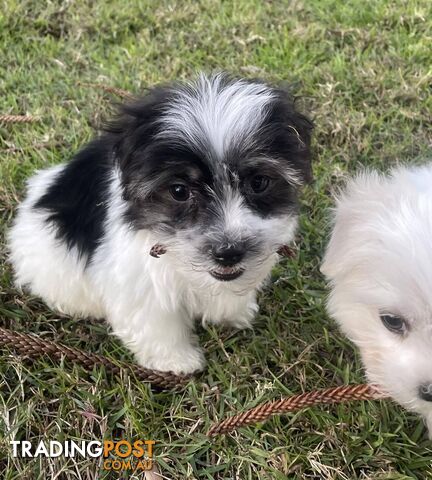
(117,455)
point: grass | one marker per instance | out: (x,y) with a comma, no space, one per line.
(363,70)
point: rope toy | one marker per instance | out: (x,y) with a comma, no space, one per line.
(262,412)
(6,118)
(33,346)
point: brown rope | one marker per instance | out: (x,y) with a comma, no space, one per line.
(33,346)
(262,412)
(106,88)
(6,118)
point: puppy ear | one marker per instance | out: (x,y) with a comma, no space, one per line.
(136,123)
(332,263)
(344,243)
(132,133)
(292,133)
(354,236)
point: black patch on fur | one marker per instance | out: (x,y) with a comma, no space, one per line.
(146,160)
(77,200)
(285,137)
(161,166)
(289,133)
(279,198)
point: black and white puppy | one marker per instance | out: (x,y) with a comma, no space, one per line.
(209,170)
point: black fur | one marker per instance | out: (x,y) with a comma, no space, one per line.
(77,200)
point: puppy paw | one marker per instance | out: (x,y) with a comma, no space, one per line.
(244,319)
(181,362)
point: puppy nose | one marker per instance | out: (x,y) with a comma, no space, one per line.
(228,256)
(425,392)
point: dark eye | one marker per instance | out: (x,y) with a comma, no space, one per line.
(259,183)
(180,192)
(394,323)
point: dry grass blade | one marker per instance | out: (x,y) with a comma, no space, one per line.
(154,474)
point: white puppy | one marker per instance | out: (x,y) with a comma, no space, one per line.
(379,264)
(209,173)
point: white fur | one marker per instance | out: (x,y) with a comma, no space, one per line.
(221,115)
(379,259)
(150,302)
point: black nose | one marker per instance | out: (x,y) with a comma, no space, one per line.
(228,256)
(425,392)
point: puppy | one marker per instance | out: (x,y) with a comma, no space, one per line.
(207,172)
(379,264)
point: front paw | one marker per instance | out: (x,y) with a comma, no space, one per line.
(244,319)
(181,361)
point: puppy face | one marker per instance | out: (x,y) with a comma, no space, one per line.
(213,168)
(379,263)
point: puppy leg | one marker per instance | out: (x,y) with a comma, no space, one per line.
(231,310)
(244,316)
(161,340)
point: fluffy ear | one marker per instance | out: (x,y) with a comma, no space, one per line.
(340,255)
(331,264)
(350,238)
(136,123)
(291,133)
(132,133)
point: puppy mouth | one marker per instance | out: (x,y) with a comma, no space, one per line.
(226,274)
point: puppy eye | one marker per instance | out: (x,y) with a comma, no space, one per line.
(180,192)
(259,183)
(394,323)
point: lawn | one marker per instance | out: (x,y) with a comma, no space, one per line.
(363,71)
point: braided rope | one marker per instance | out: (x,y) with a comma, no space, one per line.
(33,346)
(262,412)
(106,88)
(6,118)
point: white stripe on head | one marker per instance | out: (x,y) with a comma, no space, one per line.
(237,222)
(216,113)
(234,214)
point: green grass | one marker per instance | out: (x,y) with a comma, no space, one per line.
(363,69)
